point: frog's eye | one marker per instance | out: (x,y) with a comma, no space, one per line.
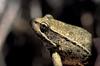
(43,28)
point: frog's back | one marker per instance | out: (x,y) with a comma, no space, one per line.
(73,33)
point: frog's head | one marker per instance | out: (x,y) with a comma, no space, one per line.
(42,25)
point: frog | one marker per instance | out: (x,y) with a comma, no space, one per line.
(69,44)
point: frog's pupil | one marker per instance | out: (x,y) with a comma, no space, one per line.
(43,28)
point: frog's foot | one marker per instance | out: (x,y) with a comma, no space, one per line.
(56,59)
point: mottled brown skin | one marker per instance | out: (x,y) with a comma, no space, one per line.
(71,62)
(71,41)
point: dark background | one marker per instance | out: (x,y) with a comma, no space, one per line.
(25,49)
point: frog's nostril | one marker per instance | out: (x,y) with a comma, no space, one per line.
(43,28)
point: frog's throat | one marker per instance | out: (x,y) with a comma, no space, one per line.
(51,42)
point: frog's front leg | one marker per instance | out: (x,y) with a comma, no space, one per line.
(56,59)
